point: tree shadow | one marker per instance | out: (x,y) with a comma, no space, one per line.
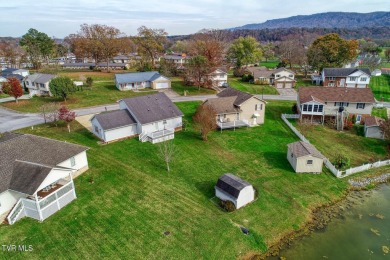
(278,160)
(206,188)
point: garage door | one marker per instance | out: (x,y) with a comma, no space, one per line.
(279,85)
(288,85)
(162,85)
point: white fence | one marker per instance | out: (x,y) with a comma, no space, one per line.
(328,164)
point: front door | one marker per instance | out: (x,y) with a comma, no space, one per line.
(255,120)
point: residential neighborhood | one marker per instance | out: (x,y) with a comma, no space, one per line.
(162,139)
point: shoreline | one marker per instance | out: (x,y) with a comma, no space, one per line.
(322,215)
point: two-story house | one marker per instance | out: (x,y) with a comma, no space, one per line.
(235,108)
(153,118)
(280,78)
(345,77)
(218,77)
(38,84)
(318,103)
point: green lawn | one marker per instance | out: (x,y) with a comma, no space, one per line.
(133,200)
(269,64)
(302,82)
(179,87)
(380,112)
(330,142)
(380,86)
(236,83)
(2,95)
(103,92)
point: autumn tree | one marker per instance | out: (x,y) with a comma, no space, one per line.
(387,54)
(166,151)
(10,51)
(66,115)
(13,88)
(38,46)
(369,46)
(244,51)
(150,43)
(49,112)
(98,41)
(268,51)
(62,87)
(331,51)
(205,120)
(196,70)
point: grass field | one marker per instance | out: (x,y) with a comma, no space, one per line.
(380,86)
(236,83)
(269,64)
(302,82)
(2,95)
(179,87)
(330,142)
(380,112)
(133,200)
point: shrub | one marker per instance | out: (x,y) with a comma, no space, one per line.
(294,108)
(348,125)
(359,129)
(246,78)
(341,161)
(353,119)
(228,205)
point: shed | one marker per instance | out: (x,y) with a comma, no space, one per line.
(232,188)
(372,127)
(304,157)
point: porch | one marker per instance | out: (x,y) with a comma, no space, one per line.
(157,136)
(44,203)
(232,124)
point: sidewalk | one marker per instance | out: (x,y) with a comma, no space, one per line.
(8,99)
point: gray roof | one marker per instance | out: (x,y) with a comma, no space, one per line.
(241,97)
(78,64)
(343,72)
(27,177)
(33,149)
(152,108)
(40,77)
(223,105)
(115,119)
(301,148)
(231,184)
(137,77)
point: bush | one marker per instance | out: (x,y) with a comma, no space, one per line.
(228,205)
(246,78)
(359,129)
(294,108)
(342,161)
(348,125)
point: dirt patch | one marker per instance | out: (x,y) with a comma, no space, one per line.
(85,121)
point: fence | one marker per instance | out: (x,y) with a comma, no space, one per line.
(328,164)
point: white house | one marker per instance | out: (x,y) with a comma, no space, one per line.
(279,78)
(153,118)
(38,84)
(346,77)
(218,77)
(304,157)
(232,188)
(140,80)
(11,71)
(37,175)
(372,127)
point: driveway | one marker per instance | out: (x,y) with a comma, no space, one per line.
(287,92)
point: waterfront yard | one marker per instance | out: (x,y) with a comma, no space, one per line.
(133,200)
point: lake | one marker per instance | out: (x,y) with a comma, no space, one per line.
(361,232)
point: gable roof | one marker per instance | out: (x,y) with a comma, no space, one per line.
(241,97)
(343,72)
(33,149)
(151,108)
(114,119)
(301,148)
(137,77)
(373,121)
(223,105)
(40,77)
(322,94)
(283,69)
(231,184)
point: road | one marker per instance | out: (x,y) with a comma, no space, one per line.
(11,120)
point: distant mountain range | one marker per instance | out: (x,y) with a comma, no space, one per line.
(324,20)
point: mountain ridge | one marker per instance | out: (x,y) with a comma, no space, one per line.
(348,20)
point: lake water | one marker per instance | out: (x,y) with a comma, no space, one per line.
(360,233)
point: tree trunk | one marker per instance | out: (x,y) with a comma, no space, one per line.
(168,169)
(16,100)
(68,125)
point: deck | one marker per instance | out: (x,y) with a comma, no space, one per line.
(233,124)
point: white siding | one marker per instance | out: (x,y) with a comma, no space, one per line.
(80,159)
(118,133)
(8,199)
(54,176)
(159,125)
(246,196)
(373,132)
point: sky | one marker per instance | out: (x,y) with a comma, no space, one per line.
(59,18)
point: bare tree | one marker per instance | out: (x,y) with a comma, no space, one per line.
(205,120)
(166,151)
(49,112)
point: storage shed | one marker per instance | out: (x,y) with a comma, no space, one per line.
(372,127)
(232,188)
(304,157)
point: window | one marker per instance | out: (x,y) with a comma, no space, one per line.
(310,108)
(332,78)
(258,107)
(363,79)
(320,108)
(72,161)
(309,162)
(290,75)
(164,122)
(27,83)
(358,118)
(42,85)
(96,129)
(304,108)
(360,105)
(330,84)
(292,155)
(341,104)
(352,78)
(277,75)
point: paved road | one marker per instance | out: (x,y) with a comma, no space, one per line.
(11,120)
(8,99)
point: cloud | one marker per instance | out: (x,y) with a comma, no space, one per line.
(61,18)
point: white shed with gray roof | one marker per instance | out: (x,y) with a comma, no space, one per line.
(140,80)
(232,188)
(304,157)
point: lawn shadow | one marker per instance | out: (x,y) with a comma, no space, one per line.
(206,188)
(277,160)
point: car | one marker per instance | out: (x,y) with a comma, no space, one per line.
(225,85)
